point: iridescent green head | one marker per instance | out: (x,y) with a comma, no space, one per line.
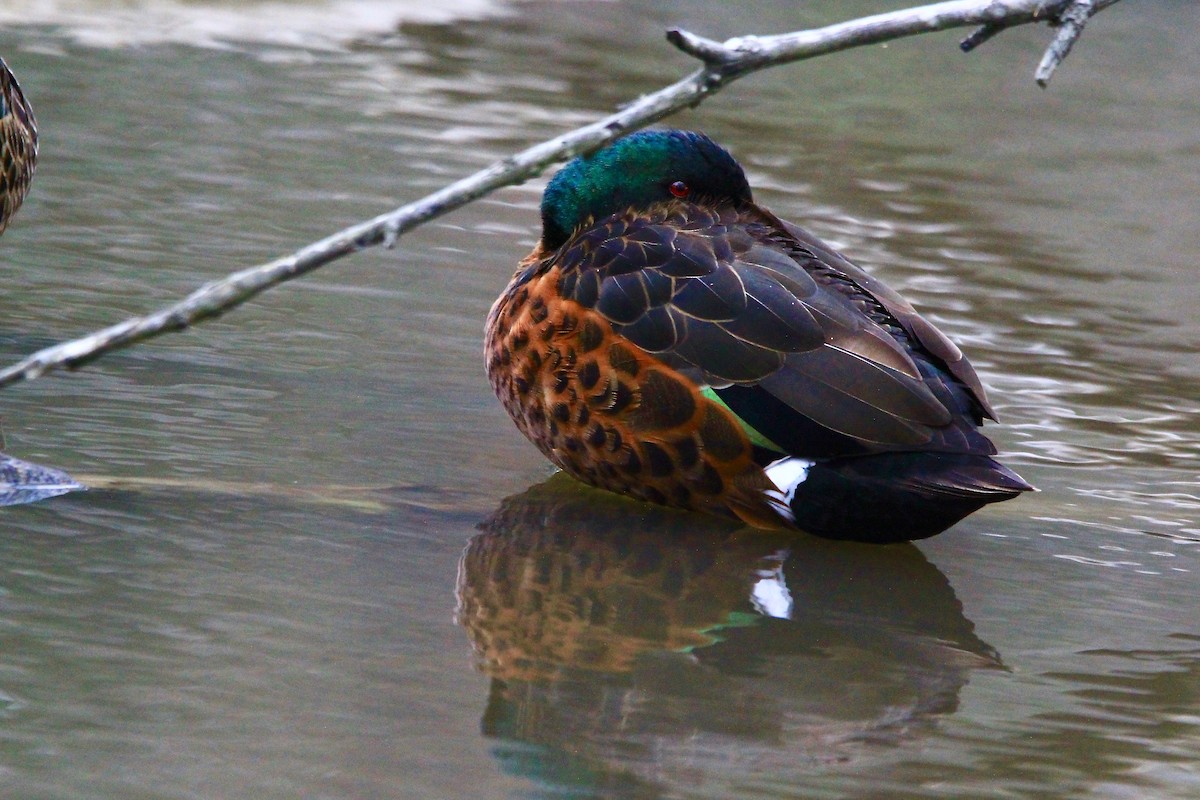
(635,172)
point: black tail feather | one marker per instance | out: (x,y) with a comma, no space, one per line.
(899,496)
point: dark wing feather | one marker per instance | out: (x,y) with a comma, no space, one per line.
(773,315)
(657,330)
(924,332)
(857,397)
(723,357)
(719,296)
(623,298)
(759,309)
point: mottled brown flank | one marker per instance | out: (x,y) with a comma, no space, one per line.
(610,414)
(18,147)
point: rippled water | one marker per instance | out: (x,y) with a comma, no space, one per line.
(300,576)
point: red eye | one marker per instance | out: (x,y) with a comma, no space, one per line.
(680,189)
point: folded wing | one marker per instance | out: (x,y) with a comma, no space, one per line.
(804,346)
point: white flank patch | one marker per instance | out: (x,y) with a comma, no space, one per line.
(787,474)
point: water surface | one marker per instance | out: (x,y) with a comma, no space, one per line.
(328,566)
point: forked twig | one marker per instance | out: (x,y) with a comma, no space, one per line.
(1071,22)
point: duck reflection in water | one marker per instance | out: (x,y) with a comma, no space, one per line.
(630,643)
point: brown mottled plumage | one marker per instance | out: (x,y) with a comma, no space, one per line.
(671,340)
(610,414)
(18,145)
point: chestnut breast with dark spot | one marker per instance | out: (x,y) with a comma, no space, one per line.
(606,411)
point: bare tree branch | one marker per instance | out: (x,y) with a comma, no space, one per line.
(981,35)
(1071,23)
(724,62)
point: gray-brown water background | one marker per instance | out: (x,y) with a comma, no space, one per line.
(296,598)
